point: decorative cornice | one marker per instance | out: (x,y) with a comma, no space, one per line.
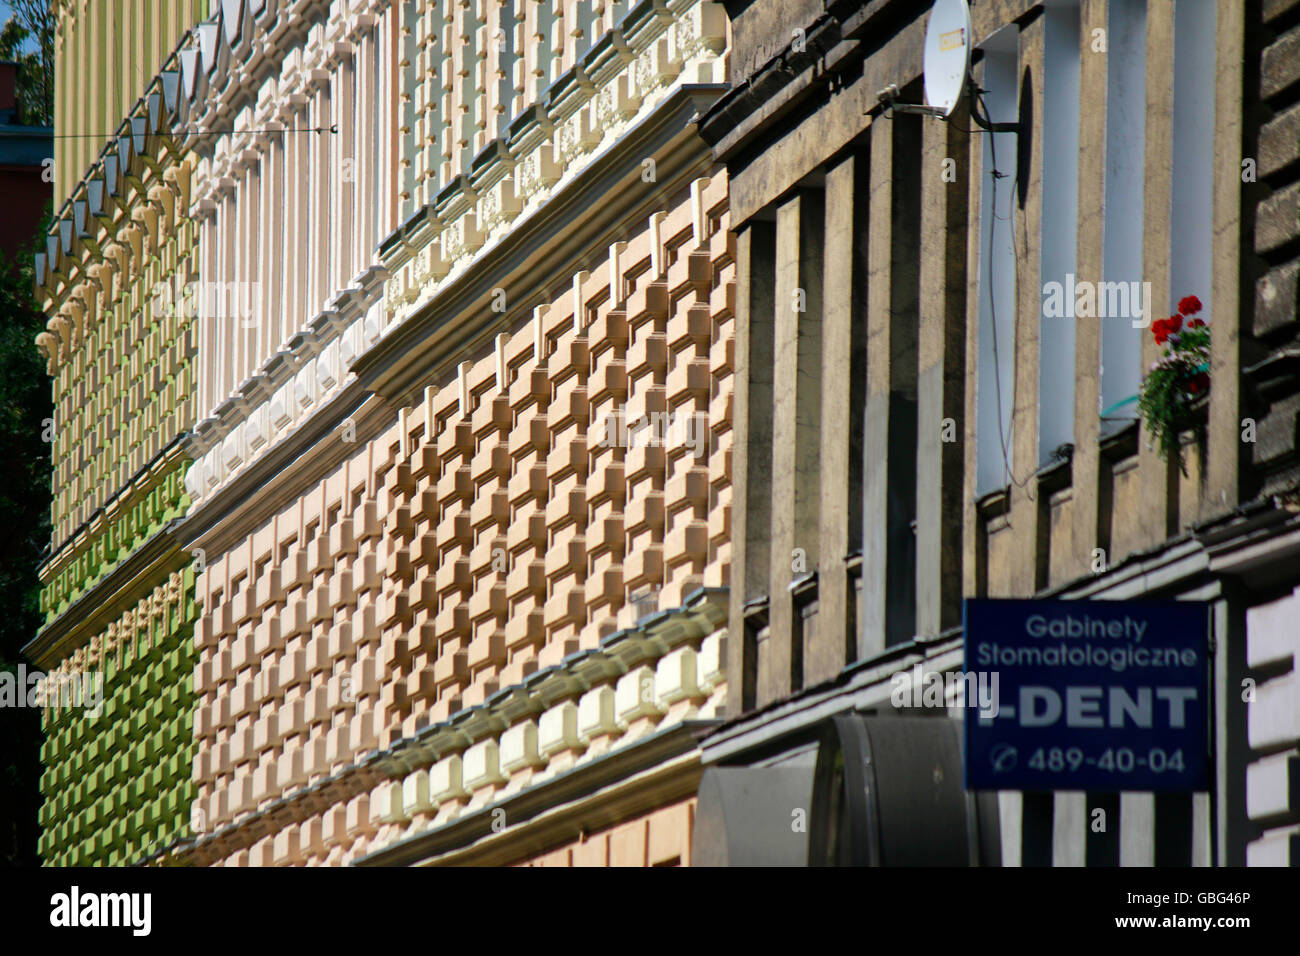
(619,654)
(645,775)
(657,44)
(118,199)
(280,473)
(287,388)
(106,599)
(175,452)
(590,208)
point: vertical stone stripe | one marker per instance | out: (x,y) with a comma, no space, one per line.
(1156,517)
(1069,823)
(277,247)
(364,200)
(151,41)
(462,119)
(292,276)
(374,198)
(796,443)
(1137,817)
(310,144)
(1010,805)
(843,382)
(267,249)
(345,165)
(752,460)
(1086,530)
(327,174)
(234,321)
(1026,573)
(889,428)
(138,66)
(875,502)
(420,91)
(941,378)
(225,238)
(207,256)
(84,148)
(61,87)
(304,211)
(494,60)
(393,97)
(1201,832)
(339,152)
(1228,456)
(1232,662)
(532,27)
(253,306)
(364,209)
(96,98)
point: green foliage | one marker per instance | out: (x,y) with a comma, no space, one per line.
(1175,383)
(25,403)
(31,21)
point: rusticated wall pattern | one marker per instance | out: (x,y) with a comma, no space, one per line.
(512,518)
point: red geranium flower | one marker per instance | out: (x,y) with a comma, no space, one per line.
(1196,323)
(1189,305)
(1163,328)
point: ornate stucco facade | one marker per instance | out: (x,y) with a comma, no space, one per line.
(392,353)
(117,590)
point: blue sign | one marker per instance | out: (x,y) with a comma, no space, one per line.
(1087,695)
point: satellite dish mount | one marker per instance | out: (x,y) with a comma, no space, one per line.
(947,70)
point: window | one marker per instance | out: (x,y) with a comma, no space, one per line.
(997,265)
(1060,224)
(1191,223)
(1121,343)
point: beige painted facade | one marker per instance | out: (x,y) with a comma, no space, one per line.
(123,45)
(661,838)
(877,480)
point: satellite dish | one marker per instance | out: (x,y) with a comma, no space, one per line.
(947,54)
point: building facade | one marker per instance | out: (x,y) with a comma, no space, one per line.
(913,426)
(540,433)
(392,344)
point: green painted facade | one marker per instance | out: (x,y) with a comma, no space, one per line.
(118,785)
(145,514)
(127,391)
(117,781)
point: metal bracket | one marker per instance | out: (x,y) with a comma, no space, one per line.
(888,98)
(981,118)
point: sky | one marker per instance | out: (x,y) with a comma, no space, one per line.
(5,13)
